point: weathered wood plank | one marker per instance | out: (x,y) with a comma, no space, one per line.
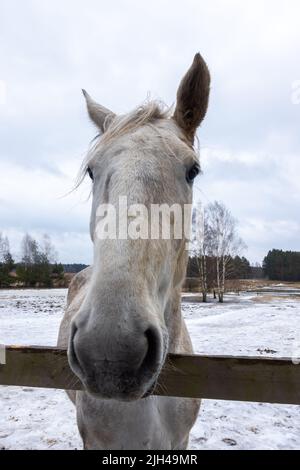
(257,379)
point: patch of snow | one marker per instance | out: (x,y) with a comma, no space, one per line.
(46,419)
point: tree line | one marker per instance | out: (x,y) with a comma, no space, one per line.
(38,266)
(215,257)
(282,265)
(239,268)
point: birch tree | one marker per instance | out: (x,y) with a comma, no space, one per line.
(6,262)
(201,246)
(224,242)
(4,248)
(48,249)
(35,267)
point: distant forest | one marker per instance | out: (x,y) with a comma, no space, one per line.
(238,268)
(38,266)
(74,267)
(281,265)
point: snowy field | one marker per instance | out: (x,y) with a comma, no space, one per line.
(266,324)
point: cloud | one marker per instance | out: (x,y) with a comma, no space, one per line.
(262,191)
(37,201)
(119,51)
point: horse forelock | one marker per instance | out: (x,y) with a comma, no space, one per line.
(148,113)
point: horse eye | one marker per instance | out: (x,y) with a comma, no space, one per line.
(89,171)
(193,172)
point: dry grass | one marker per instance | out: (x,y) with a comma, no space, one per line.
(267,298)
(255,284)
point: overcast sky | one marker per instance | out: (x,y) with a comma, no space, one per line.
(121,50)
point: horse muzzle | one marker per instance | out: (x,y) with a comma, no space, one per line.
(122,367)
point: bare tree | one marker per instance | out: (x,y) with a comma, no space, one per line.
(29,250)
(35,267)
(4,248)
(6,262)
(48,249)
(200,246)
(224,242)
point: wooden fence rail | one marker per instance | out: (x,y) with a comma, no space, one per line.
(256,379)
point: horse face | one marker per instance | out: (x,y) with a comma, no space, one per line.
(142,170)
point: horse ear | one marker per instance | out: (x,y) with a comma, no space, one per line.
(100,115)
(192,97)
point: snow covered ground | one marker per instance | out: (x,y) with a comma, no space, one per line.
(245,325)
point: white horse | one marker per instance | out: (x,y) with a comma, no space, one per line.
(124,313)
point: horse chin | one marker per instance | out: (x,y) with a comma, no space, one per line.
(119,394)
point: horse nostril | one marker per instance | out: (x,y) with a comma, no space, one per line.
(153,355)
(73,358)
